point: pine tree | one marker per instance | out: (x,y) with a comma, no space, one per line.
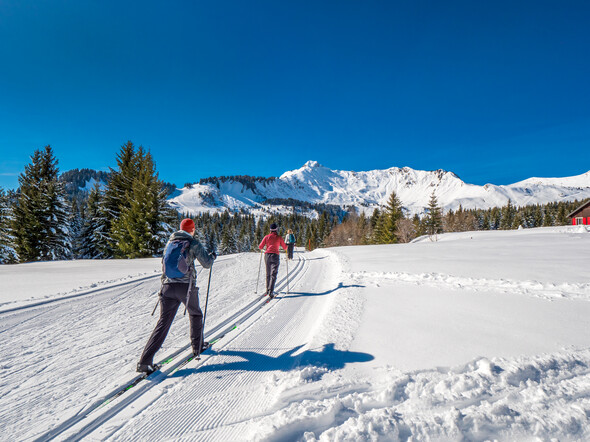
(433,222)
(517,221)
(419,226)
(58,216)
(119,189)
(561,219)
(228,243)
(94,235)
(41,212)
(8,253)
(547,219)
(387,224)
(508,213)
(76,224)
(141,229)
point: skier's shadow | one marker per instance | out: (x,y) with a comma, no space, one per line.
(306,294)
(316,259)
(328,358)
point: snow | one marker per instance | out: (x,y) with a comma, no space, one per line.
(477,336)
(317,184)
(42,280)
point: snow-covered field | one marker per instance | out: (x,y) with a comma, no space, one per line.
(477,336)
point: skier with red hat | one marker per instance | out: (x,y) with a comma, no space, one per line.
(272,242)
(179,285)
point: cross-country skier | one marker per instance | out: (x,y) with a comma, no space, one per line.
(290,241)
(272,242)
(179,285)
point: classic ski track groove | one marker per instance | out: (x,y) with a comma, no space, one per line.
(113,408)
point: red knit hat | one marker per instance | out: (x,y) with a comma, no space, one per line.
(187,225)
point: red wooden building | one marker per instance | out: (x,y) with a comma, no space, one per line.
(581,215)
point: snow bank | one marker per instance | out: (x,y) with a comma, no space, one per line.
(506,399)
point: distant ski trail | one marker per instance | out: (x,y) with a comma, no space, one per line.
(229,387)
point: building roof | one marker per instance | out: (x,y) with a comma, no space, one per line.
(579,209)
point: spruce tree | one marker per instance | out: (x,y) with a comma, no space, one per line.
(8,253)
(228,243)
(547,219)
(76,224)
(94,235)
(508,213)
(561,219)
(41,212)
(141,229)
(387,224)
(119,188)
(433,222)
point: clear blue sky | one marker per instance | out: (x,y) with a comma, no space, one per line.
(494,91)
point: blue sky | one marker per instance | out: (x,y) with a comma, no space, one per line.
(493,91)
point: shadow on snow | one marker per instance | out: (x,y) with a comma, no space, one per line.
(328,357)
(301,294)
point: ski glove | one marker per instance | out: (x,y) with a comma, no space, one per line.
(213,255)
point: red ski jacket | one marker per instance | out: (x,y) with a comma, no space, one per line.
(272,241)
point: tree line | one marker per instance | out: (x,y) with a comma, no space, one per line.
(128,217)
(229,233)
(389,225)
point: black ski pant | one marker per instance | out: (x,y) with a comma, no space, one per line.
(290,248)
(171,296)
(272,261)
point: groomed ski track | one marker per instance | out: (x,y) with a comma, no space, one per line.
(105,409)
(213,398)
(209,399)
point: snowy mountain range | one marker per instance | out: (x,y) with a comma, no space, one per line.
(314,184)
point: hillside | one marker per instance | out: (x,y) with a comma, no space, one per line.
(316,184)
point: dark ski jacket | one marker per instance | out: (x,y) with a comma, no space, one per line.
(195,251)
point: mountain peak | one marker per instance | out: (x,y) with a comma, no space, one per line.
(312,164)
(317,184)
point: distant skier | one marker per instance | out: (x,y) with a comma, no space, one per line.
(179,285)
(290,241)
(272,242)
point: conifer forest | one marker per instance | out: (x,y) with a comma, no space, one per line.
(125,215)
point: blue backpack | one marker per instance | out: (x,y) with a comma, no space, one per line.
(175,262)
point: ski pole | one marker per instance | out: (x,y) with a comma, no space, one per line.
(157,302)
(205,313)
(259,266)
(287,274)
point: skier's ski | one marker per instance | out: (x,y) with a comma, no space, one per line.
(271,297)
(135,381)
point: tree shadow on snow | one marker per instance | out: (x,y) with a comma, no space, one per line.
(301,294)
(328,358)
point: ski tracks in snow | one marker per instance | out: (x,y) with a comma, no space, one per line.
(217,398)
